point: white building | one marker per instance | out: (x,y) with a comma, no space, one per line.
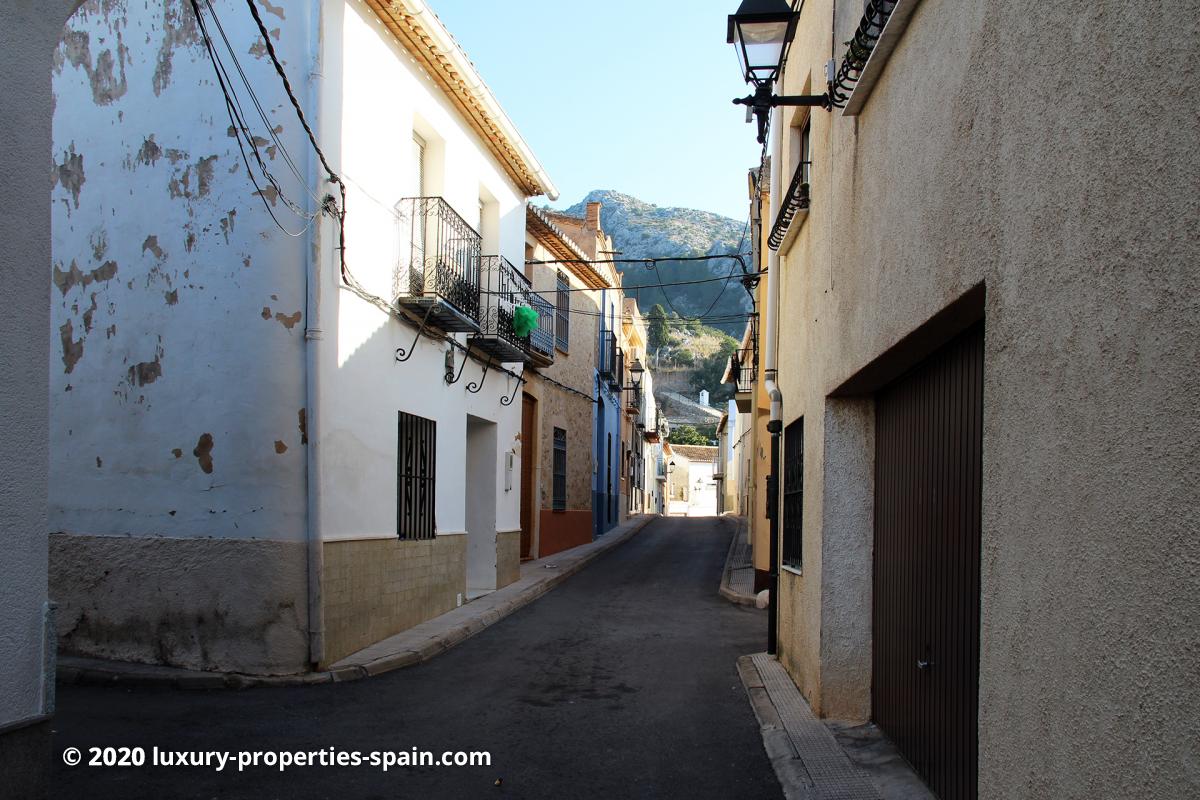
(691,485)
(259,463)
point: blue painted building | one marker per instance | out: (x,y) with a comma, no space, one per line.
(606,486)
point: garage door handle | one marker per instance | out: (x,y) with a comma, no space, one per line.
(924,664)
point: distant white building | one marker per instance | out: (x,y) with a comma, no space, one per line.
(258,464)
(693,488)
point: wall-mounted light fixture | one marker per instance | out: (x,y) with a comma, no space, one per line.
(761,31)
(635,376)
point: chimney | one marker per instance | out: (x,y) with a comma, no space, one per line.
(593,215)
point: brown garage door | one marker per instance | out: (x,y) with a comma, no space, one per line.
(926,574)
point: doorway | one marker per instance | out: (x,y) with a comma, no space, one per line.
(925,627)
(529,450)
(480,501)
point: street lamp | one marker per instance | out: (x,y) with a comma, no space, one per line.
(635,376)
(761,32)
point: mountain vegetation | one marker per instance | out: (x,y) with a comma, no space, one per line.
(644,230)
(696,326)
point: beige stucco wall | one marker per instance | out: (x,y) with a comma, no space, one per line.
(375,588)
(210,604)
(1034,148)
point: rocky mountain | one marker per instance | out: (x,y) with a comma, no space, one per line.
(643,230)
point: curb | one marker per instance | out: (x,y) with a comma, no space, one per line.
(807,758)
(726,590)
(75,670)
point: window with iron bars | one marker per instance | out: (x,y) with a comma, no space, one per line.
(562,320)
(560,470)
(416,462)
(793,495)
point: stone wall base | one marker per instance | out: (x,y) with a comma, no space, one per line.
(376,588)
(508,558)
(224,605)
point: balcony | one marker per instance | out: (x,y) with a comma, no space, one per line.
(503,290)
(607,356)
(633,400)
(656,434)
(792,210)
(718,469)
(541,341)
(436,276)
(743,368)
(619,375)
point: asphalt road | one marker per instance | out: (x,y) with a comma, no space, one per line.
(619,683)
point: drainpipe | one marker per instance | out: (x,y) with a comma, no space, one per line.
(313,352)
(314,339)
(775,425)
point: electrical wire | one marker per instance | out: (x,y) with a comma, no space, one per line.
(235,121)
(262,114)
(329,205)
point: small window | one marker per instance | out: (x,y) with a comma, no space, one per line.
(416,455)
(560,470)
(801,149)
(562,320)
(793,494)
(418,156)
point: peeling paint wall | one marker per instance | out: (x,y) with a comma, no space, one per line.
(170,393)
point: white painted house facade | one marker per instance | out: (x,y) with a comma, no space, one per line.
(260,461)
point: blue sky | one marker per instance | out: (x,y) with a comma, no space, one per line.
(630,96)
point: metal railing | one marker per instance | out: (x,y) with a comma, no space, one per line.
(861,45)
(607,355)
(795,200)
(633,399)
(438,255)
(541,341)
(504,288)
(743,366)
(618,377)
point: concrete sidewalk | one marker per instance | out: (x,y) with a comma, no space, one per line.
(737,580)
(413,646)
(822,759)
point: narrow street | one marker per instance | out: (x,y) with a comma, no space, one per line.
(619,683)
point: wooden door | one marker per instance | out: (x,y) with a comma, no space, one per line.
(529,447)
(928,465)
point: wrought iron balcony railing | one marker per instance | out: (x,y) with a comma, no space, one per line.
(633,400)
(541,341)
(795,201)
(652,429)
(437,271)
(618,377)
(607,356)
(504,289)
(744,369)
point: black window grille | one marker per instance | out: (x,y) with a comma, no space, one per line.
(560,470)
(416,457)
(793,494)
(562,320)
